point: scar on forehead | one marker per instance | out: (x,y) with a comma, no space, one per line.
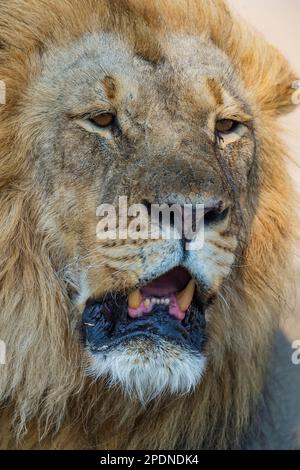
(216,89)
(110,87)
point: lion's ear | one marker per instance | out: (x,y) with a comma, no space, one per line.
(265,71)
(278,90)
(292,97)
(268,74)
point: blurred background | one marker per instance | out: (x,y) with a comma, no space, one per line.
(279,21)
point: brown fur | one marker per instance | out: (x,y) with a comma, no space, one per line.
(43,388)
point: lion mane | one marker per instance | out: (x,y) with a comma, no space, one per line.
(47,402)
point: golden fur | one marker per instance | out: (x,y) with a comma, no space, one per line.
(47,401)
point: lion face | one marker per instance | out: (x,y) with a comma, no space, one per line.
(178,130)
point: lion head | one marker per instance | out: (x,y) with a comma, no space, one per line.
(161,108)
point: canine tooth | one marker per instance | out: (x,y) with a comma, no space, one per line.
(135,299)
(147,302)
(167,301)
(185,297)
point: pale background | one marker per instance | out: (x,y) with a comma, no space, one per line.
(279,21)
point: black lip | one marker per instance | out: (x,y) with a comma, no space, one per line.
(106,325)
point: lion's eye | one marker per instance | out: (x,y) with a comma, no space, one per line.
(224,126)
(101,124)
(103,120)
(229,131)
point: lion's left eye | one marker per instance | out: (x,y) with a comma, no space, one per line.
(229,130)
(224,126)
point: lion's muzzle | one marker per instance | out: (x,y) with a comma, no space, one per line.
(160,326)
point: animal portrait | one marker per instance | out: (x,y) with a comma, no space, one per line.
(142,342)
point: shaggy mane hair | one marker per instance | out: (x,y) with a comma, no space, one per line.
(47,402)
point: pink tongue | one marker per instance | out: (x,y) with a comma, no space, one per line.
(167,284)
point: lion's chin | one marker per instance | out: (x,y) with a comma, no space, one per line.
(163,369)
(154,348)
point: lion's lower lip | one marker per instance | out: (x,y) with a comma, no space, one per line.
(106,324)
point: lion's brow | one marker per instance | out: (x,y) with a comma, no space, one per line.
(216,90)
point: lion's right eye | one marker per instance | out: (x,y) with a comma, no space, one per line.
(103,120)
(100,124)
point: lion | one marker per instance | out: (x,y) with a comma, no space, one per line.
(133,343)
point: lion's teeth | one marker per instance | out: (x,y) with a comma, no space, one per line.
(135,299)
(157,301)
(185,297)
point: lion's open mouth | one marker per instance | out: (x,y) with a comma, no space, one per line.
(167,308)
(175,289)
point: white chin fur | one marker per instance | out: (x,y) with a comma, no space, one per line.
(145,373)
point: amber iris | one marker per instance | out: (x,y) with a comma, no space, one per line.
(103,120)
